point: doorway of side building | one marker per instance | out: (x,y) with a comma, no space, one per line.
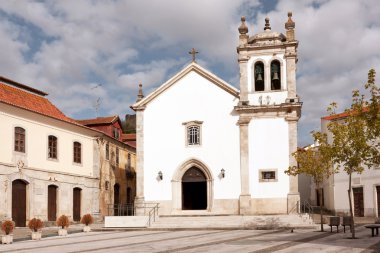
(358,201)
(318,191)
(378,200)
(77,192)
(194,190)
(52,203)
(19,202)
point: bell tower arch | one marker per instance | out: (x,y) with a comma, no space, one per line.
(268,100)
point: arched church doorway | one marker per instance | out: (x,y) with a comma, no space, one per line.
(19,202)
(194,190)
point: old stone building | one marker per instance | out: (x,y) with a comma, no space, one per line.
(223,150)
(117,166)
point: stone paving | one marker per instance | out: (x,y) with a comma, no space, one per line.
(144,240)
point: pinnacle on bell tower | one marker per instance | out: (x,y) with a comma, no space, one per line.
(140,95)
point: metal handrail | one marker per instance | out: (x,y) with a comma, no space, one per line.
(295,208)
(306,207)
(149,209)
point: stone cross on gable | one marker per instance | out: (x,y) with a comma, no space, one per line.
(193,52)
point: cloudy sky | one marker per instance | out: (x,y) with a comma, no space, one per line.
(67,48)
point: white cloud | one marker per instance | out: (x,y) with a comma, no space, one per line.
(122,43)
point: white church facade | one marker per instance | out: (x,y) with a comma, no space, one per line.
(207,148)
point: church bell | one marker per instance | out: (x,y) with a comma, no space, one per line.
(275,76)
(259,77)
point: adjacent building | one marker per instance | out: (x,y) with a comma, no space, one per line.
(365,186)
(117,167)
(49,164)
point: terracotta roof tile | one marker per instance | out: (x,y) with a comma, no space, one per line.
(30,101)
(98,121)
(128,137)
(131,143)
(342,115)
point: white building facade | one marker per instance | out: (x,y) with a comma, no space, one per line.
(365,187)
(204,147)
(49,165)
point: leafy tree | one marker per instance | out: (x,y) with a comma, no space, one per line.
(315,162)
(355,135)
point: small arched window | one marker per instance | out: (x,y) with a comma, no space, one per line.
(20,139)
(259,76)
(275,75)
(193,135)
(193,131)
(107,151)
(77,152)
(52,147)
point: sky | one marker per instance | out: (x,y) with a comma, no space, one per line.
(82,51)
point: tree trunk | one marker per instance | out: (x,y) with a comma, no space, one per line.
(351,211)
(320,207)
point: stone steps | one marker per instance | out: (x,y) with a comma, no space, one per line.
(234,222)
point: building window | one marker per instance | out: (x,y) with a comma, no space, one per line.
(52,147)
(269,175)
(193,135)
(117,156)
(275,70)
(116,134)
(259,76)
(20,139)
(107,151)
(107,185)
(77,152)
(129,162)
(193,131)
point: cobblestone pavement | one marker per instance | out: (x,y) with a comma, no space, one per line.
(237,241)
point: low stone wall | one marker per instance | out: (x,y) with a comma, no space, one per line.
(126,221)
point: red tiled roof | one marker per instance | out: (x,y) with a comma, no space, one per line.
(22,86)
(98,120)
(30,101)
(128,137)
(336,116)
(342,115)
(131,143)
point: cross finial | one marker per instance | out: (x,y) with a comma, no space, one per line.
(193,52)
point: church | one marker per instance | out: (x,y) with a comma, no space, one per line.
(207,148)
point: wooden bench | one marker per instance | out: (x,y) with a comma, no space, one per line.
(373,227)
(334,221)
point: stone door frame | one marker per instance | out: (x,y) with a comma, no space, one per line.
(177,184)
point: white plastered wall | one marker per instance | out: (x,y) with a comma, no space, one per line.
(268,150)
(192,98)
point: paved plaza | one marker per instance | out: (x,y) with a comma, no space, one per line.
(238,241)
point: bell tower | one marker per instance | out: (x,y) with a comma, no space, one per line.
(268,101)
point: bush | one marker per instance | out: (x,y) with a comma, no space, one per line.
(7,226)
(63,221)
(35,224)
(87,219)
